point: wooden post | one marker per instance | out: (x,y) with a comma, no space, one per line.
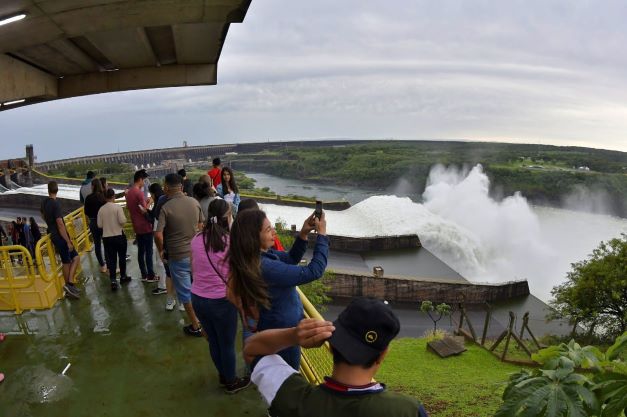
(498,340)
(486,324)
(472,330)
(461,316)
(510,331)
(526,326)
(521,344)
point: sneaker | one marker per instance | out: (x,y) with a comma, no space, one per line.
(150,278)
(104,269)
(181,306)
(125,280)
(159,291)
(1,377)
(114,286)
(238,385)
(170,304)
(71,291)
(190,331)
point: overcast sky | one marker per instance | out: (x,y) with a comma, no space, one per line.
(540,71)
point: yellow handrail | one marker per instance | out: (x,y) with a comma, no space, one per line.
(40,283)
(11,283)
(315,363)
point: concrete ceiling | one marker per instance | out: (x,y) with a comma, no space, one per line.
(69,48)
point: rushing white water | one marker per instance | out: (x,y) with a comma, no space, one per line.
(69,192)
(481,238)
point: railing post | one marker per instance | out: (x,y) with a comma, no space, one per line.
(86,231)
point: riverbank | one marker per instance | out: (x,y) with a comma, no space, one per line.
(553,176)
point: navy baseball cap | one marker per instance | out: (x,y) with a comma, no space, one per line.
(364,329)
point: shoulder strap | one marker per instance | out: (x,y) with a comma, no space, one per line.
(212,264)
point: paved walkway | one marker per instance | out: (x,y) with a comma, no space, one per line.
(129,357)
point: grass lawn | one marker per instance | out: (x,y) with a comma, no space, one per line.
(469,385)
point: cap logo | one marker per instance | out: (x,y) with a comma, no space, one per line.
(371,336)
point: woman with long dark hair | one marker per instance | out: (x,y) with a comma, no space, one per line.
(93,203)
(216,314)
(227,189)
(265,279)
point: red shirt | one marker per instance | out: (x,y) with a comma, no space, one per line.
(216,176)
(134,199)
(277,244)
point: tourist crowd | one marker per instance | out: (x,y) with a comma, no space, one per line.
(22,231)
(219,258)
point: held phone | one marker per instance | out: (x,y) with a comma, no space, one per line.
(318,211)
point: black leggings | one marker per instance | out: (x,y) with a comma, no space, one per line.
(96,233)
(115,248)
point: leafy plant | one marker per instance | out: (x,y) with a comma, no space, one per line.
(595,293)
(558,389)
(431,335)
(442,310)
(316,291)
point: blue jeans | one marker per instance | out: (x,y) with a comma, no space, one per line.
(181,273)
(219,319)
(144,254)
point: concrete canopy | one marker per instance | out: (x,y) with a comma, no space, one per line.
(69,48)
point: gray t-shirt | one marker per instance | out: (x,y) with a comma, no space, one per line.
(204,205)
(178,220)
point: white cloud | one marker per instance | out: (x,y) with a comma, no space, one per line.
(522,71)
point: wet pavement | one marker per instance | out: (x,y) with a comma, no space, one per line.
(128,356)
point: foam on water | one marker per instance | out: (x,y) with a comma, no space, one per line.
(483,239)
(69,192)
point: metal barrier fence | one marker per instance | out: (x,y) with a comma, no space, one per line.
(315,363)
(26,284)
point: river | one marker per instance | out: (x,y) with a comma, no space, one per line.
(482,239)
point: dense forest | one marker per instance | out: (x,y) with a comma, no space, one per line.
(547,175)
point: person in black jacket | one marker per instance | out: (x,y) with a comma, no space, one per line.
(93,202)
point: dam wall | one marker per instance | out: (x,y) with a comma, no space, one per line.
(195,153)
(368,244)
(346,284)
(33,202)
(286,201)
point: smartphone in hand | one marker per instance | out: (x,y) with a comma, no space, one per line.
(318,210)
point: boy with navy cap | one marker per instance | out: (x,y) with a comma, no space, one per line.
(359,340)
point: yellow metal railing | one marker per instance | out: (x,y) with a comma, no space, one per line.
(315,363)
(25,284)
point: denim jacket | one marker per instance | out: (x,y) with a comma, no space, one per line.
(236,199)
(282,273)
